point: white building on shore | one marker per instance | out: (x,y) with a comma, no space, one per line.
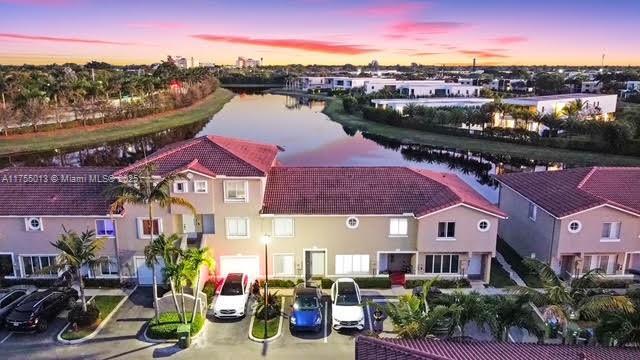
(399,104)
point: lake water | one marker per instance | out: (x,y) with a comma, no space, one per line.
(309,138)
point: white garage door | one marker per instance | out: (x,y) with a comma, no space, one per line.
(145,274)
(240,264)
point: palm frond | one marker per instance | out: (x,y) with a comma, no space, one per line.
(546,273)
(590,307)
(536,296)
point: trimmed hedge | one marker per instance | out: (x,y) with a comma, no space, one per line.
(76,315)
(40,282)
(440,283)
(363,282)
(326,283)
(612,283)
(167,325)
(280,283)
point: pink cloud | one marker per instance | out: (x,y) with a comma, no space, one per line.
(385,9)
(506,40)
(424,53)
(11,36)
(426,27)
(297,44)
(157,25)
(37,2)
(484,53)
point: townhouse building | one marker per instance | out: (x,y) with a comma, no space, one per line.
(322,221)
(575,220)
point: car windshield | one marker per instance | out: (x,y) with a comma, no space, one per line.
(306,303)
(347,299)
(231,289)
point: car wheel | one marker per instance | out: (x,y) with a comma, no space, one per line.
(43,325)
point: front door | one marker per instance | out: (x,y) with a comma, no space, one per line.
(314,264)
(475,265)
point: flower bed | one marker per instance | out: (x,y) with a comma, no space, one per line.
(166,325)
(105,304)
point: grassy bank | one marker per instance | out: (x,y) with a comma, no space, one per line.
(97,134)
(272,328)
(106,304)
(335,111)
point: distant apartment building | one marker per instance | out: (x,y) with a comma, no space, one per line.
(442,89)
(469,82)
(511,85)
(399,104)
(591,87)
(600,106)
(631,88)
(243,62)
(323,221)
(575,220)
(179,61)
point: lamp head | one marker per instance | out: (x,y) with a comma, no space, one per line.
(266,239)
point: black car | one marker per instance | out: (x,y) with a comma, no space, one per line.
(35,310)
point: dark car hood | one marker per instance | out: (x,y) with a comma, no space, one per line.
(306,317)
(19,316)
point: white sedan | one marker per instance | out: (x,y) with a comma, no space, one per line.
(346,305)
(233,297)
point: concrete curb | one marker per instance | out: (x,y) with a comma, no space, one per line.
(102,324)
(271,339)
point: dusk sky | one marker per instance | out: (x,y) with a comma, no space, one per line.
(322,31)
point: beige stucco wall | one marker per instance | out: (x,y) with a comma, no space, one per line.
(14,238)
(467,236)
(588,239)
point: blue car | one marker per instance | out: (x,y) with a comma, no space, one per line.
(306,311)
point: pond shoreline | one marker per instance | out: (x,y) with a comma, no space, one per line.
(334,111)
(31,143)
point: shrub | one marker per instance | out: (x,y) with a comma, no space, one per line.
(350,104)
(81,318)
(102,283)
(209,289)
(373,282)
(326,283)
(166,325)
(272,308)
(440,283)
(280,283)
(612,283)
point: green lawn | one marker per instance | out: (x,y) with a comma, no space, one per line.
(106,304)
(499,277)
(167,324)
(98,134)
(334,110)
(258,328)
(511,256)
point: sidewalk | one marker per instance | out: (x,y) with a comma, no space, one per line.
(105,291)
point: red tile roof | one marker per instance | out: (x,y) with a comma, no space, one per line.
(21,197)
(366,191)
(368,348)
(211,155)
(566,192)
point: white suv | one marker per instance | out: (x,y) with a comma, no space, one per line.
(233,296)
(346,305)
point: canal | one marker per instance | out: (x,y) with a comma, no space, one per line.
(309,138)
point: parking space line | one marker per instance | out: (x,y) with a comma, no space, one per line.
(326,321)
(6,338)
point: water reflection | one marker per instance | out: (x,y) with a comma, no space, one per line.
(309,137)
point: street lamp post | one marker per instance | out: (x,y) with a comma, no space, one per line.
(266,239)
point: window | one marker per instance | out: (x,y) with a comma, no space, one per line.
(606,263)
(236,191)
(11,298)
(33,224)
(145,227)
(105,227)
(533,211)
(6,265)
(484,225)
(446,230)
(610,231)
(283,227)
(352,222)
(237,228)
(38,265)
(352,264)
(441,264)
(575,226)
(200,186)
(398,227)
(180,187)
(109,267)
(283,265)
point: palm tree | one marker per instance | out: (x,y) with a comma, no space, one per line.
(575,301)
(620,327)
(468,307)
(512,311)
(143,190)
(166,247)
(552,121)
(573,109)
(76,252)
(196,258)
